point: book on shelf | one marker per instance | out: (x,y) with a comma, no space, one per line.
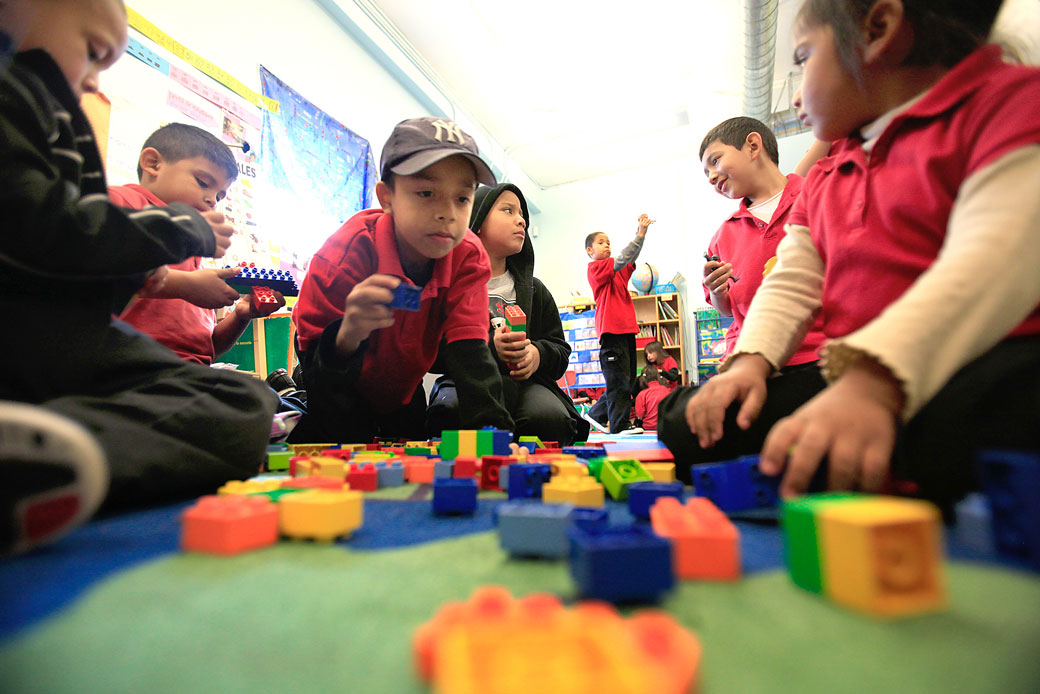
(668,311)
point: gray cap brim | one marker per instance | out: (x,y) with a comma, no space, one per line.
(417,162)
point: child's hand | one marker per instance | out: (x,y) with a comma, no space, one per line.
(525,367)
(746,381)
(510,345)
(716,276)
(644,223)
(206,287)
(154,283)
(221,230)
(852,423)
(367,309)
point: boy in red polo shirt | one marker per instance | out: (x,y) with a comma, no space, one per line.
(363,362)
(616,323)
(183,163)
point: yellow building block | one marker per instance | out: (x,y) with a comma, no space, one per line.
(319,514)
(250,486)
(883,556)
(568,468)
(661,472)
(580,491)
(468,443)
(322,466)
(308,448)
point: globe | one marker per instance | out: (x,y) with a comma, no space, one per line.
(644,278)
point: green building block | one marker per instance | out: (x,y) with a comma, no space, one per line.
(278,461)
(801,539)
(595,466)
(449,448)
(485,443)
(276,494)
(523,440)
(616,475)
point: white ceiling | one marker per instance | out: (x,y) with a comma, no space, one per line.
(574,89)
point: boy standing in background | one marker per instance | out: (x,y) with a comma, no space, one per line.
(186,164)
(363,362)
(69,258)
(616,321)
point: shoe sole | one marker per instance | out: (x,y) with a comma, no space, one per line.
(596,425)
(55,476)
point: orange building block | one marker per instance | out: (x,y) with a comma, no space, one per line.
(494,644)
(705,544)
(328,483)
(320,514)
(228,525)
(644,455)
(420,470)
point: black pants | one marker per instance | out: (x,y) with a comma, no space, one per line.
(349,417)
(535,409)
(617,359)
(169,428)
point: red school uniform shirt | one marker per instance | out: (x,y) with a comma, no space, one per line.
(667,365)
(453,304)
(878,222)
(646,404)
(615,312)
(180,325)
(749,244)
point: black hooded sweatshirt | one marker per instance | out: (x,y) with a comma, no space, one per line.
(544,328)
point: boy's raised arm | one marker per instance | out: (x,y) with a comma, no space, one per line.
(631,251)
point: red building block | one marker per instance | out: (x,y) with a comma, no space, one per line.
(420,470)
(491,471)
(362,477)
(228,525)
(264,301)
(515,317)
(465,466)
(705,543)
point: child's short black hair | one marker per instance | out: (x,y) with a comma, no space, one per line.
(945,31)
(734,132)
(591,238)
(178,141)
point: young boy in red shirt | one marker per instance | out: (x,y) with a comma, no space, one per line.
(616,322)
(363,362)
(183,163)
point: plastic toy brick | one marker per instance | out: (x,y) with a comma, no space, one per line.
(661,472)
(532,443)
(705,543)
(328,466)
(363,477)
(299,465)
(974,525)
(276,495)
(278,461)
(579,491)
(616,475)
(320,515)
(568,468)
(454,496)
(596,467)
(342,454)
(249,486)
(540,530)
(228,525)
(801,536)
(620,564)
(515,317)
(586,452)
(737,485)
(279,280)
(642,495)
(1011,482)
(328,483)
(406,297)
(491,470)
(309,448)
(491,441)
(449,446)
(389,473)
(494,644)
(526,480)
(465,466)
(443,468)
(420,471)
(263,301)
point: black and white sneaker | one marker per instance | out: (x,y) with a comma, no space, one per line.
(630,431)
(54,476)
(594,424)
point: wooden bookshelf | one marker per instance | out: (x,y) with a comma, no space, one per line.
(660,317)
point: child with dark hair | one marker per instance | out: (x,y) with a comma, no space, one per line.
(95,398)
(532,360)
(653,388)
(930,357)
(185,164)
(615,323)
(664,363)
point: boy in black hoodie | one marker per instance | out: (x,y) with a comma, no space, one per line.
(531,361)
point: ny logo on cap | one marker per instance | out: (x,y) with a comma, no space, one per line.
(453,131)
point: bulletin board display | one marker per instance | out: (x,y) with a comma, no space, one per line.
(152,87)
(579,329)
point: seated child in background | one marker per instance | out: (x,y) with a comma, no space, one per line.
(183,163)
(665,365)
(615,324)
(653,388)
(69,258)
(931,357)
(530,361)
(363,363)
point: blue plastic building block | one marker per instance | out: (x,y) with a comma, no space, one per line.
(500,440)
(620,564)
(452,495)
(737,485)
(389,473)
(586,452)
(406,297)
(642,495)
(1011,482)
(526,480)
(531,529)
(443,468)
(974,526)
(278,280)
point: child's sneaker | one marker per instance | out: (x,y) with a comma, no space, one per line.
(54,476)
(594,424)
(630,430)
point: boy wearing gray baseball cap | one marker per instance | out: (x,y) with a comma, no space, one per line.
(363,361)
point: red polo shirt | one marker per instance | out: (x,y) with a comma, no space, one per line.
(615,312)
(453,304)
(748,244)
(182,326)
(647,401)
(879,222)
